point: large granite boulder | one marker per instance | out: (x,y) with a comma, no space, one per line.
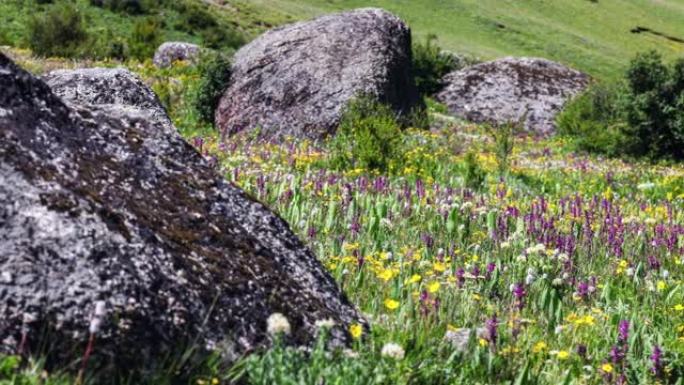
(172,51)
(117,90)
(297,79)
(509,89)
(121,227)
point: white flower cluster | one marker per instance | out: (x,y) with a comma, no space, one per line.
(392,350)
(277,324)
(98,317)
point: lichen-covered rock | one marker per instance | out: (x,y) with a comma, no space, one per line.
(116,90)
(96,208)
(171,51)
(297,79)
(506,90)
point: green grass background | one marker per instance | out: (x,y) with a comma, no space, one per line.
(591,36)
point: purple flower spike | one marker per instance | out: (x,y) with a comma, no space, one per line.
(623,331)
(657,361)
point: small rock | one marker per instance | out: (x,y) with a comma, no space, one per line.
(172,51)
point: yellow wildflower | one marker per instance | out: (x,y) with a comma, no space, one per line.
(539,347)
(433,287)
(563,355)
(415,278)
(356,330)
(439,267)
(391,304)
(661,285)
(607,368)
(386,275)
(678,307)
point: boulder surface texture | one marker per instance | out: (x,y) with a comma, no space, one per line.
(116,90)
(115,219)
(512,89)
(171,51)
(296,80)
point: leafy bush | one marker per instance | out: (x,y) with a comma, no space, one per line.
(369,137)
(132,7)
(644,117)
(199,21)
(474,175)
(214,70)
(430,64)
(504,139)
(593,119)
(654,108)
(59,31)
(145,38)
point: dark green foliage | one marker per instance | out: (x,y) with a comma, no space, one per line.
(109,45)
(59,31)
(197,19)
(369,137)
(474,175)
(504,139)
(593,120)
(214,72)
(132,7)
(642,118)
(430,65)
(654,108)
(4,38)
(145,38)
(222,38)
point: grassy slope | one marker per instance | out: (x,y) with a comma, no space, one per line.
(593,37)
(250,20)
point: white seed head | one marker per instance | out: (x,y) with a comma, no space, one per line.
(325,323)
(95,325)
(28,318)
(100,308)
(393,350)
(277,324)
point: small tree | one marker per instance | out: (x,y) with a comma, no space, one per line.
(430,65)
(214,72)
(369,137)
(654,108)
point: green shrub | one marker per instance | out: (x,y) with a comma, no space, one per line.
(474,175)
(430,64)
(4,38)
(654,108)
(132,7)
(198,20)
(214,70)
(504,139)
(222,38)
(59,31)
(145,38)
(644,117)
(369,137)
(593,119)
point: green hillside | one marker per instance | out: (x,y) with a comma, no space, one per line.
(593,36)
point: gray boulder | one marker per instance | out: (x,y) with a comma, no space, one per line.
(297,79)
(171,51)
(505,90)
(117,90)
(122,227)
